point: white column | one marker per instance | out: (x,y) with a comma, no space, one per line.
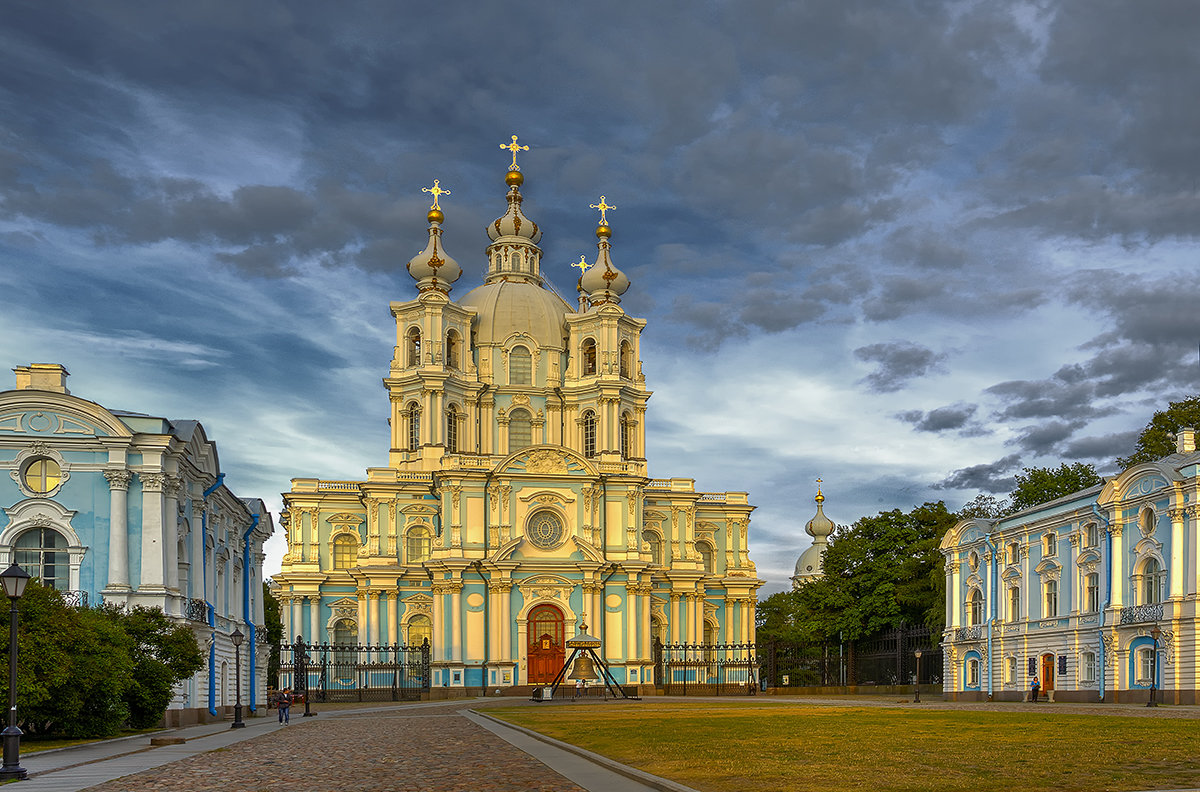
(392,634)
(296,621)
(118,529)
(438,642)
(506,651)
(647,651)
(171,532)
(372,618)
(1177,554)
(152,532)
(1117,582)
(456,643)
(362,617)
(631,611)
(285,615)
(673,617)
(314,620)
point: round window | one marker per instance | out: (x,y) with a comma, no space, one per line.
(42,475)
(545,530)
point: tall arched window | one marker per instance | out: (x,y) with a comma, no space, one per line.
(520,429)
(42,552)
(589,434)
(345,638)
(451,430)
(1050,599)
(588,353)
(627,425)
(1050,544)
(345,551)
(1091,535)
(656,548)
(418,545)
(453,350)
(1151,589)
(520,366)
(413,347)
(974,608)
(420,629)
(626,360)
(1091,591)
(1014,603)
(414,426)
(706,557)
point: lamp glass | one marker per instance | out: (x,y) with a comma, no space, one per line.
(917,653)
(236,636)
(14,579)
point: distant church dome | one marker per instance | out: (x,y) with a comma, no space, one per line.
(810,565)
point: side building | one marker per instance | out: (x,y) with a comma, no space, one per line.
(516,504)
(1095,593)
(131,509)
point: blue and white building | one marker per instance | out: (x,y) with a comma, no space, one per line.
(132,509)
(1095,593)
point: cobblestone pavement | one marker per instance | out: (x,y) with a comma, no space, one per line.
(423,750)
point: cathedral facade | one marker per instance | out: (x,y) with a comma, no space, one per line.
(516,504)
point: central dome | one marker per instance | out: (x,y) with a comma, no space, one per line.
(506,307)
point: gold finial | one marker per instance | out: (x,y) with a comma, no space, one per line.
(820,498)
(603,207)
(514,148)
(436,191)
(582,264)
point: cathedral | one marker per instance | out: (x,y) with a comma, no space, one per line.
(516,505)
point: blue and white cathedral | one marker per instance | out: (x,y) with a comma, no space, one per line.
(516,503)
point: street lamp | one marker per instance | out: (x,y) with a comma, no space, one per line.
(14,579)
(917,679)
(236,638)
(1153,702)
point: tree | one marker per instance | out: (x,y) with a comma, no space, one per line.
(163,654)
(1155,441)
(1041,485)
(273,621)
(985,506)
(776,618)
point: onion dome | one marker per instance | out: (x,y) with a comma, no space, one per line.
(433,268)
(820,526)
(514,223)
(603,282)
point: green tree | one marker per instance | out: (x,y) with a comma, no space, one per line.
(986,506)
(1041,485)
(1155,441)
(163,653)
(273,617)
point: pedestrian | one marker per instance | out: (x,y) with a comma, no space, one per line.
(1034,687)
(578,688)
(285,706)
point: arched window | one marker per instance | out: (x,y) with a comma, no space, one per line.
(655,630)
(42,552)
(451,430)
(627,425)
(453,350)
(1014,552)
(1091,591)
(520,430)
(345,551)
(589,434)
(42,475)
(973,673)
(626,360)
(706,557)
(1050,599)
(1087,667)
(1145,666)
(420,630)
(418,545)
(520,366)
(1151,587)
(345,637)
(1050,543)
(1014,603)
(413,347)
(1010,670)
(414,426)
(588,357)
(656,548)
(974,608)
(1091,534)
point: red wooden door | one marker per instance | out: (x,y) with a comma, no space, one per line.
(546,651)
(1047,679)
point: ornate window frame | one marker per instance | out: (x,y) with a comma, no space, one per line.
(32,453)
(42,513)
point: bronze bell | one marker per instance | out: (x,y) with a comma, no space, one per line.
(584,668)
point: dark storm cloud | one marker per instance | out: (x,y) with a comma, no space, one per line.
(942,419)
(992,477)
(898,362)
(1045,439)
(1104,448)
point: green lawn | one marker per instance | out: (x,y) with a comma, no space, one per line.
(767,746)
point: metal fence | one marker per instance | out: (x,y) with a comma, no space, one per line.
(889,658)
(705,669)
(801,665)
(337,672)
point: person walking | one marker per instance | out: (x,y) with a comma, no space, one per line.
(578,688)
(285,706)
(1034,688)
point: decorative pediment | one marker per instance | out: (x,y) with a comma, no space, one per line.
(1012,573)
(546,587)
(346,518)
(418,604)
(974,581)
(1089,556)
(547,497)
(1144,485)
(419,509)
(1048,569)
(546,461)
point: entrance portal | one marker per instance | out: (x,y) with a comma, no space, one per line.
(1047,674)
(547,650)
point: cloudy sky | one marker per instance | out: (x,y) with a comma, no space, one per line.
(906,247)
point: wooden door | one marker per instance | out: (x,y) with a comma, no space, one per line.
(546,650)
(1047,674)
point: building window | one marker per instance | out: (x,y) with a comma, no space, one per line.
(453,350)
(1087,667)
(1050,543)
(345,638)
(1050,599)
(1145,666)
(42,552)
(1148,520)
(706,558)
(589,434)
(451,430)
(345,551)
(974,608)
(626,360)
(420,630)
(1014,603)
(414,426)
(418,545)
(42,475)
(545,530)
(588,353)
(520,366)
(1010,670)
(973,561)
(973,673)
(520,430)
(1091,535)
(413,347)
(1014,552)
(627,436)
(656,548)
(1091,589)
(1151,583)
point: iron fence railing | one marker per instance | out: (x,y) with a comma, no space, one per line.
(1142,613)
(342,672)
(705,669)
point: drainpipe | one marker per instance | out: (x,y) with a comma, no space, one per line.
(246,599)
(992,584)
(562,418)
(208,606)
(1107,591)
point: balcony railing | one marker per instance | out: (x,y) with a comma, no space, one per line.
(197,610)
(75,599)
(1142,613)
(973,633)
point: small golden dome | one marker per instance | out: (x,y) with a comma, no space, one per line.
(435,216)
(820,498)
(514,178)
(603,231)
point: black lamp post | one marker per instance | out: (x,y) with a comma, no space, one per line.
(917,679)
(14,579)
(236,638)
(1153,702)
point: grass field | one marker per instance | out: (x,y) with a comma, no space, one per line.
(767,746)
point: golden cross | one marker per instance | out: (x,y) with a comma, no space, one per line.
(603,207)
(436,192)
(514,148)
(582,264)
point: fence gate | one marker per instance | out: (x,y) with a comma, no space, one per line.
(704,669)
(341,672)
(889,657)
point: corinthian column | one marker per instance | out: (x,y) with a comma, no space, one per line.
(118,529)
(153,550)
